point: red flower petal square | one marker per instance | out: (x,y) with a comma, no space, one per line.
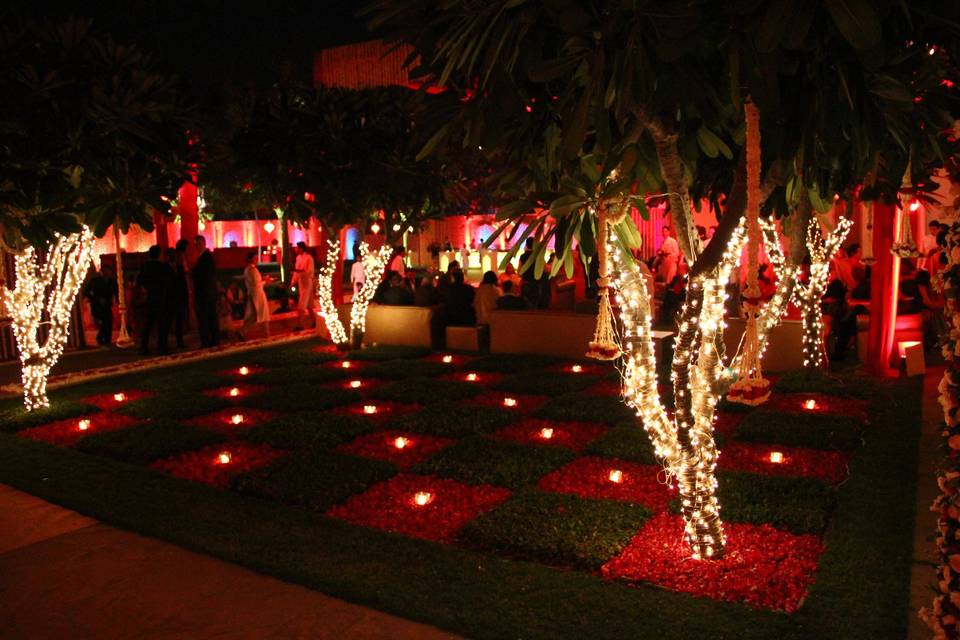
(66,433)
(762,566)
(508,400)
(726,423)
(231,419)
(612,388)
(235,393)
(420,506)
(326,348)
(820,403)
(218,464)
(400,448)
(377,409)
(829,466)
(572,435)
(598,478)
(110,401)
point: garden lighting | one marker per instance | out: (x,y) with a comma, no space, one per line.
(83,425)
(616,476)
(546,433)
(776,457)
(509,402)
(355,384)
(236,418)
(400,442)
(224,457)
(234,392)
(422,498)
(369,409)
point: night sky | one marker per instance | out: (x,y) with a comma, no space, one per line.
(209,42)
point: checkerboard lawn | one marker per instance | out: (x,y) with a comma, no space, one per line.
(521,501)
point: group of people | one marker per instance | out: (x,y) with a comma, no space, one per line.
(165,288)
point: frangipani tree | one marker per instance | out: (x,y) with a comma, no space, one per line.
(590,105)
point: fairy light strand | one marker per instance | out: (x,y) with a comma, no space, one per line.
(44,293)
(374,265)
(328,308)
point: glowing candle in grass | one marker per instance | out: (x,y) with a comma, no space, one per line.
(234,392)
(369,409)
(236,418)
(244,371)
(355,384)
(776,457)
(447,359)
(471,377)
(400,442)
(346,364)
(224,457)
(83,425)
(546,433)
(616,476)
(422,498)
(810,404)
(509,402)
(576,369)
(119,397)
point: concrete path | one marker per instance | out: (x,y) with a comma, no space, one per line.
(63,575)
(925,558)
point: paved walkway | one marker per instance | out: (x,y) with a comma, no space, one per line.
(63,575)
(924,545)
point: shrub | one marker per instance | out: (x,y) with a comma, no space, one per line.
(504,464)
(801,429)
(149,441)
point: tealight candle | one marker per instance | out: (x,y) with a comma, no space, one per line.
(776,457)
(576,368)
(422,498)
(447,359)
(369,408)
(119,397)
(83,425)
(400,442)
(509,402)
(236,418)
(355,384)
(345,364)
(234,392)
(810,404)
(471,377)
(244,371)
(546,433)
(616,476)
(224,457)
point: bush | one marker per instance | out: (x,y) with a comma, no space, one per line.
(801,430)
(585,408)
(401,369)
(149,441)
(455,420)
(558,529)
(504,464)
(381,352)
(300,397)
(626,441)
(426,391)
(550,384)
(308,431)
(314,480)
(15,418)
(173,406)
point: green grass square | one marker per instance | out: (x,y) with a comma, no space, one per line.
(382,352)
(426,391)
(174,406)
(504,464)
(402,369)
(314,480)
(144,443)
(800,505)
(13,417)
(300,397)
(454,420)
(287,375)
(512,362)
(558,529)
(813,430)
(819,382)
(585,408)
(626,441)
(307,431)
(545,383)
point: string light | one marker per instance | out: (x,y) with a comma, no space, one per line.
(776,457)
(422,498)
(616,476)
(44,295)
(374,265)
(83,425)
(328,308)
(810,293)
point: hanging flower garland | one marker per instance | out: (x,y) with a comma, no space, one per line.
(944,616)
(905,247)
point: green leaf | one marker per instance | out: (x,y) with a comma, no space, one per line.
(857,22)
(565,205)
(434,140)
(547,70)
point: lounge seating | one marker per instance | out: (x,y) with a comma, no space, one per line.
(784,352)
(542,332)
(406,326)
(467,338)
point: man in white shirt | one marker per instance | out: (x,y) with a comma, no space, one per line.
(303,279)
(929,248)
(669,256)
(397,264)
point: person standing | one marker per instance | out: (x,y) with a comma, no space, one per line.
(303,275)
(257,310)
(101,291)
(180,300)
(486,297)
(458,309)
(205,295)
(156,278)
(398,265)
(357,274)
(530,290)
(669,256)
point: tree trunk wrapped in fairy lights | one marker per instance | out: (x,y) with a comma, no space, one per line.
(684,443)
(374,264)
(328,308)
(750,387)
(944,615)
(45,290)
